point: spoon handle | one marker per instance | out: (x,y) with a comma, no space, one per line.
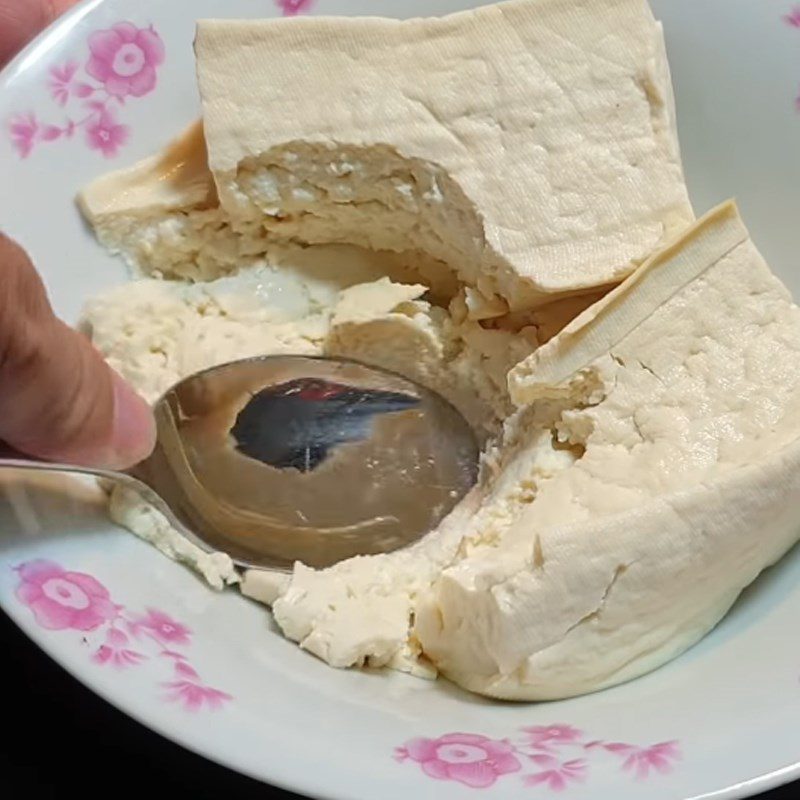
(13,459)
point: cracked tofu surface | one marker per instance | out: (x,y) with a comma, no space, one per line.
(698,395)
(625,509)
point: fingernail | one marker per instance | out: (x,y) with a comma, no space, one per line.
(134,432)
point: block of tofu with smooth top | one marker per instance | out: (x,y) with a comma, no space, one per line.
(529,146)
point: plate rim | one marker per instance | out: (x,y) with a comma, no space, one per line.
(39,47)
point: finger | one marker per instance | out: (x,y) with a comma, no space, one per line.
(58,399)
(21,20)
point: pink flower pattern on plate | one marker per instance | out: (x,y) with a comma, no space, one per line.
(24,130)
(106,135)
(123,63)
(61,81)
(125,58)
(641,760)
(555,774)
(193,696)
(543,737)
(792,19)
(163,628)
(290,8)
(116,652)
(473,760)
(558,756)
(64,600)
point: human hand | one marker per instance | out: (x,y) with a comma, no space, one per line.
(21,20)
(59,400)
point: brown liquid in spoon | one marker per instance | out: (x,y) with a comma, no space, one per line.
(373,463)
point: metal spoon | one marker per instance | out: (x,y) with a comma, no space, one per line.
(284,458)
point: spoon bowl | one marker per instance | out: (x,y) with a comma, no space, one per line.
(278,459)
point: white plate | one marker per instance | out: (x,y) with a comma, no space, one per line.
(207,670)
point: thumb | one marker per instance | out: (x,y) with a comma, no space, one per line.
(58,399)
(21,20)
